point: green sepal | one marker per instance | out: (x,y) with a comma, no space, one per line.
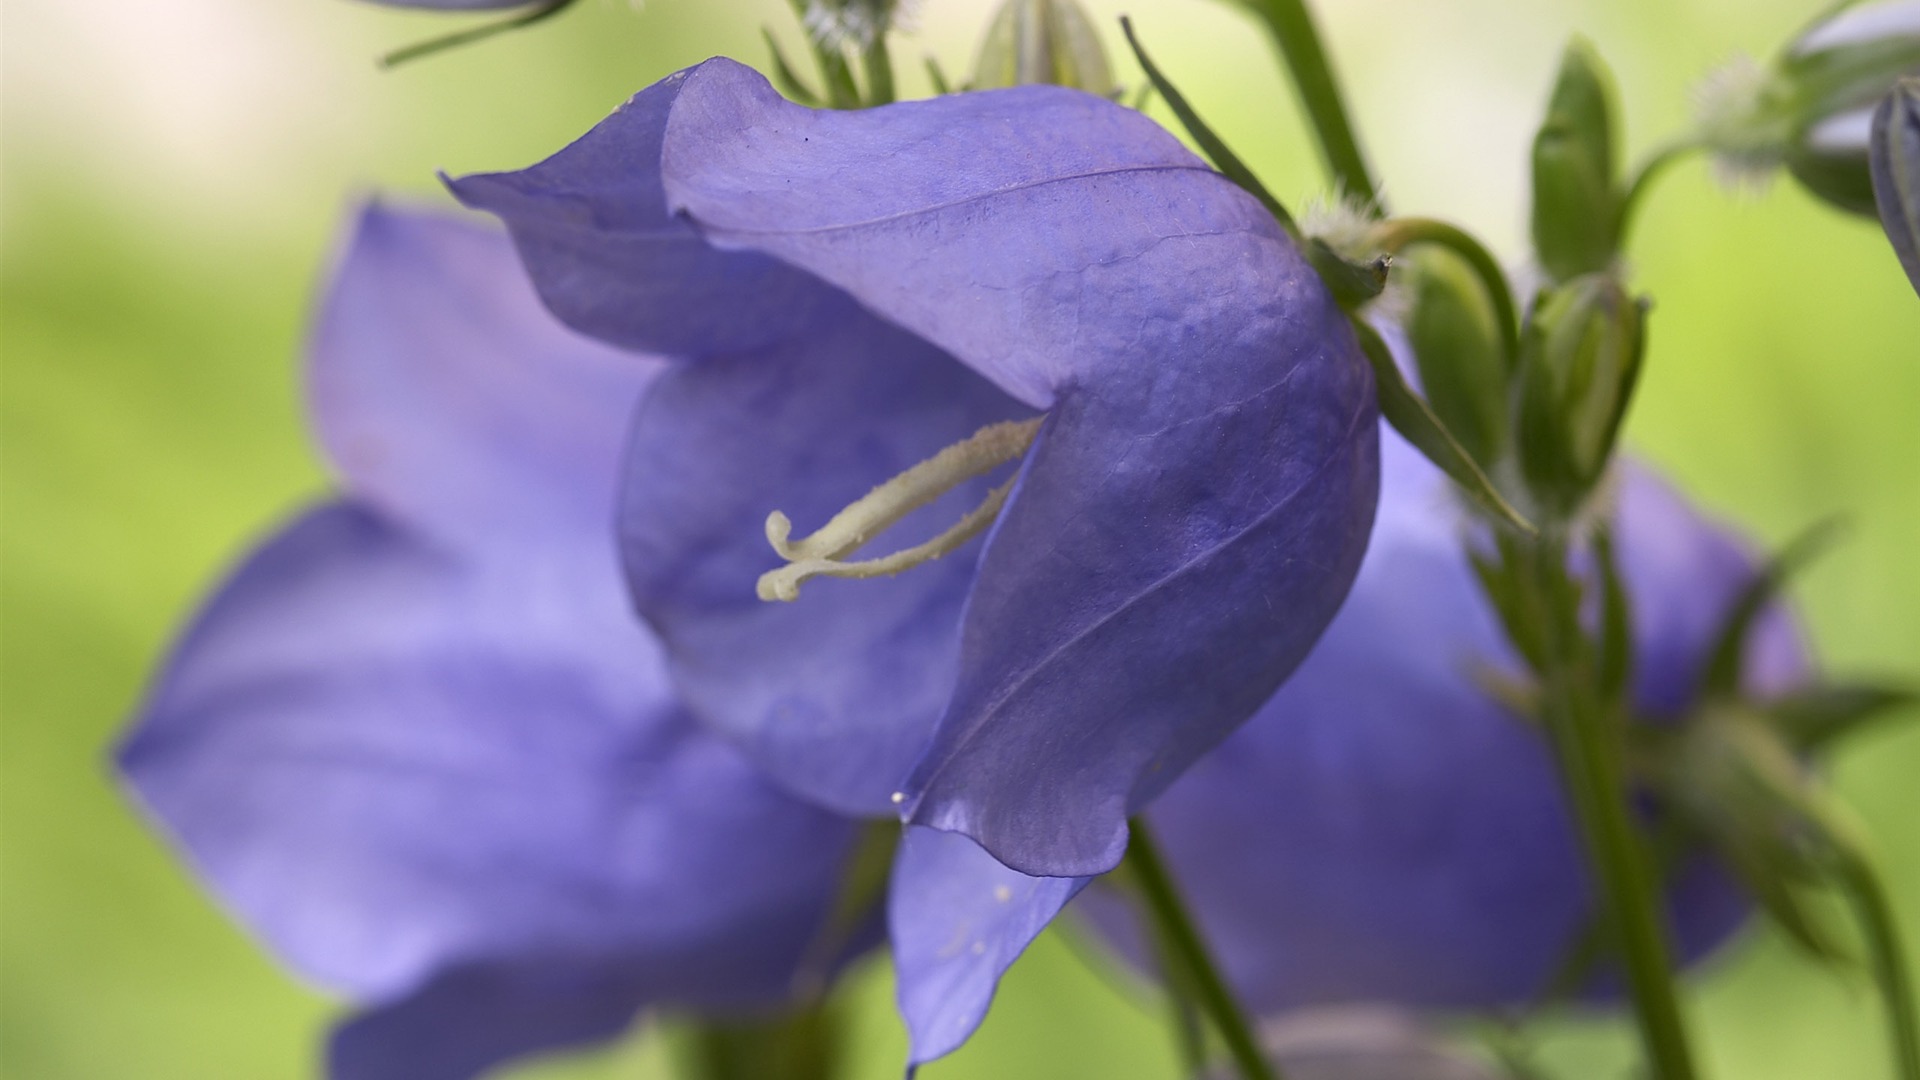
(785,77)
(1043,41)
(1457,346)
(1518,607)
(1615,673)
(1811,719)
(863,888)
(1210,144)
(1410,415)
(1726,661)
(1353,284)
(1895,162)
(1580,358)
(1576,203)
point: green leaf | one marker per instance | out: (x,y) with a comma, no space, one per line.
(1212,145)
(1813,718)
(1726,662)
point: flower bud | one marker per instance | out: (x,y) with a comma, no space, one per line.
(1896,172)
(1579,359)
(1812,110)
(1456,345)
(1576,209)
(1043,41)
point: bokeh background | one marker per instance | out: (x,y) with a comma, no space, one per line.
(175,171)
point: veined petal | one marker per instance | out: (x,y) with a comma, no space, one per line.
(958,919)
(446,395)
(836,693)
(390,763)
(1383,830)
(1197,504)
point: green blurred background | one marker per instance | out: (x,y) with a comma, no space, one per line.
(175,171)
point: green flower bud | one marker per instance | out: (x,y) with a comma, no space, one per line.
(1811,111)
(1043,41)
(1576,206)
(1456,344)
(1896,172)
(1579,360)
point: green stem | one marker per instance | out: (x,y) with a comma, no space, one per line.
(1181,943)
(1596,786)
(1650,170)
(1293,30)
(1395,235)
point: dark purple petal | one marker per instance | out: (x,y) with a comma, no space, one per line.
(836,693)
(1198,503)
(958,920)
(389,763)
(450,398)
(1383,831)
(467,1021)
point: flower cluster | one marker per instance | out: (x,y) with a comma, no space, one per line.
(802,533)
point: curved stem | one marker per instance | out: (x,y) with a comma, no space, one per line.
(544,11)
(1400,233)
(1643,179)
(1181,942)
(1292,27)
(1596,786)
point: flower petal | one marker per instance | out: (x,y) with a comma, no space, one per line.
(1383,831)
(448,396)
(958,920)
(1199,502)
(391,762)
(836,693)
(467,1021)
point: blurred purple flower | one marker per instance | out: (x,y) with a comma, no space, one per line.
(418,743)
(1384,830)
(852,292)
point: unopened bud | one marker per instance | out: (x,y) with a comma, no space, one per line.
(1043,41)
(1579,360)
(1456,345)
(1576,207)
(1812,110)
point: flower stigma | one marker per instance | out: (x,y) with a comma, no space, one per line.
(822,554)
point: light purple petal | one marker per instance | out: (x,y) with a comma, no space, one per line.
(448,396)
(387,762)
(836,693)
(958,920)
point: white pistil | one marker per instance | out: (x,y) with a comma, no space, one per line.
(820,554)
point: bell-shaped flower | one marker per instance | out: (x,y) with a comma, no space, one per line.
(420,745)
(1386,829)
(1029,313)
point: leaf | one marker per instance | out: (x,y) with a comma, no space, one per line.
(1212,145)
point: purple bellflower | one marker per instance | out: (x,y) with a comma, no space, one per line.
(1386,831)
(899,301)
(420,745)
